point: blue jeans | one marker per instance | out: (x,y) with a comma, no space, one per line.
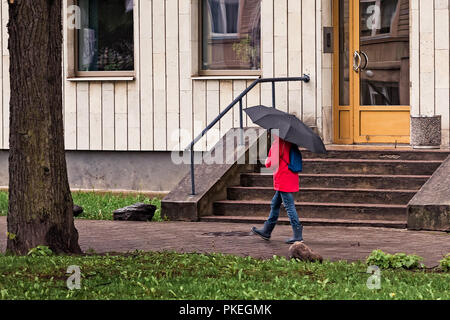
(287,199)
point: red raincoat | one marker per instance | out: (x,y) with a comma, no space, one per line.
(284,180)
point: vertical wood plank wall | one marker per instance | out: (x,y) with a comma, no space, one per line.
(442,65)
(163,108)
(430,58)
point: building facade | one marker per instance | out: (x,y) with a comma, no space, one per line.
(149,75)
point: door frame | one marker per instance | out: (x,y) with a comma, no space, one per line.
(342,135)
(349,134)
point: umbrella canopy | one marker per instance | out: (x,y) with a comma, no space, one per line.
(290,127)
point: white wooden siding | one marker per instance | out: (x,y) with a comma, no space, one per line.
(253,99)
(185,64)
(95,115)
(295,56)
(108,121)
(442,65)
(238,87)
(159,74)
(199,107)
(226,97)
(280,54)
(133,90)
(427,54)
(82,118)
(212,110)
(121,119)
(164,107)
(309,60)
(429,62)
(173,75)
(267,49)
(146,75)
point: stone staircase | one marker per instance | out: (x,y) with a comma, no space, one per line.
(346,187)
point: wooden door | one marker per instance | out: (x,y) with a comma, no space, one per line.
(371,78)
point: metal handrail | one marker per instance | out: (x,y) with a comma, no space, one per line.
(304,78)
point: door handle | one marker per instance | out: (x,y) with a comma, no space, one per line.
(366,60)
(356,57)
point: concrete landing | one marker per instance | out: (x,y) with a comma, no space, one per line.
(332,242)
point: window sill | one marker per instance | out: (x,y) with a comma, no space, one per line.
(225,77)
(88,79)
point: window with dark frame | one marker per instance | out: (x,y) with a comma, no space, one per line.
(105,40)
(231,35)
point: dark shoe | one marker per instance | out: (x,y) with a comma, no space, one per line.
(266,230)
(298,235)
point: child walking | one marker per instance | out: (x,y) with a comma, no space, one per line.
(285,183)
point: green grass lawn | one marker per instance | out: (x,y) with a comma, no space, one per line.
(98,206)
(169,275)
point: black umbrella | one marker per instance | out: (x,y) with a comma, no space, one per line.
(290,127)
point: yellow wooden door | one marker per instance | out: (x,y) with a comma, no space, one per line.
(371,78)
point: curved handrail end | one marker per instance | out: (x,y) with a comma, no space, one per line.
(307,78)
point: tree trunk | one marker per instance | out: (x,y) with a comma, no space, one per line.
(40,202)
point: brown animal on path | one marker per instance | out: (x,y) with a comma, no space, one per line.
(301,251)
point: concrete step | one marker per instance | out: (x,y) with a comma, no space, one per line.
(380,167)
(380,154)
(258,221)
(343,195)
(314,210)
(355,181)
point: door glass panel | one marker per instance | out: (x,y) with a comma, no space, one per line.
(384,47)
(344,48)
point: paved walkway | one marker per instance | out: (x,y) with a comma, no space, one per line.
(333,243)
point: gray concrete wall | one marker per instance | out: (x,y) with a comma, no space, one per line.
(429,209)
(102,170)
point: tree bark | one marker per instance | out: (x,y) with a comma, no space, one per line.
(40,202)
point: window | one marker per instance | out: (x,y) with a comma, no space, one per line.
(231,36)
(105,38)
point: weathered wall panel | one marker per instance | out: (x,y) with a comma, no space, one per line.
(164,107)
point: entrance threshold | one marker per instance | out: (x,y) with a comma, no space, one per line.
(386,146)
(380,146)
